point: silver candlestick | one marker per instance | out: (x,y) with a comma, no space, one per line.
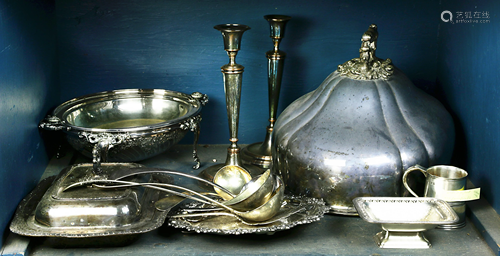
(232,76)
(259,153)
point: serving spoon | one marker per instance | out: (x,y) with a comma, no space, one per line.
(257,216)
(228,181)
(262,213)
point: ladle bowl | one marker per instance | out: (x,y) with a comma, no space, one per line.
(233,178)
(260,214)
(254,193)
(269,208)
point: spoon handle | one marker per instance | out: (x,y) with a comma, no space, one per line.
(278,217)
(156,186)
(207,214)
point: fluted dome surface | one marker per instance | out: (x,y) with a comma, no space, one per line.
(354,137)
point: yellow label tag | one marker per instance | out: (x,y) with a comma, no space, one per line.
(459,195)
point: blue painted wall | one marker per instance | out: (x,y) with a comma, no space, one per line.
(28,88)
(106,45)
(468,82)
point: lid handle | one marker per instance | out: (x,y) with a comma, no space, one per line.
(367,66)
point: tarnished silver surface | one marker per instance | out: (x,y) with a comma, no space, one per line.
(86,211)
(232,77)
(127,125)
(351,138)
(404,219)
(260,153)
(313,210)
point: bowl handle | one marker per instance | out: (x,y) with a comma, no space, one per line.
(103,142)
(53,123)
(202,98)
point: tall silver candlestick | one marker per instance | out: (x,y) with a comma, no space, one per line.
(259,153)
(232,76)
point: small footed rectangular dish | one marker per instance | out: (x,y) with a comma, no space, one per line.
(404,219)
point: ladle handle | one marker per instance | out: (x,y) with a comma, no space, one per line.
(405,177)
(143,170)
(152,186)
(187,215)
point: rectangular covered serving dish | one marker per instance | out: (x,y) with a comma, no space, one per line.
(86,211)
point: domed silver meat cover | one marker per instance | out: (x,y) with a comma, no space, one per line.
(358,131)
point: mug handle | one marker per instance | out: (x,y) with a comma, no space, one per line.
(411,169)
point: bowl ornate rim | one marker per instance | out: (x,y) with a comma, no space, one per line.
(61,110)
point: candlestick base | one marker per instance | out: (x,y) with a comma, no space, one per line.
(257,154)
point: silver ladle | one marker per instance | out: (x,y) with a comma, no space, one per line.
(262,213)
(227,182)
(255,193)
(258,215)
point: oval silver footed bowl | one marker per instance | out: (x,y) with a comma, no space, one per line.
(127,125)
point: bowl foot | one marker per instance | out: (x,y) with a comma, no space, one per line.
(414,240)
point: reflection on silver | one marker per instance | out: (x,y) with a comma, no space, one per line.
(404,219)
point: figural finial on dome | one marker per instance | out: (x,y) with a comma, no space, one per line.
(367,66)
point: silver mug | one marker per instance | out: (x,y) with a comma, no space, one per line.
(439,179)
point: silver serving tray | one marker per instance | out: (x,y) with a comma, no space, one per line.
(305,210)
(404,219)
(87,212)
